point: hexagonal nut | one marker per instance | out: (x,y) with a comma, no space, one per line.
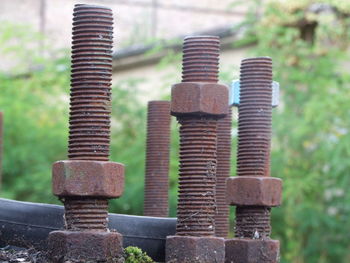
(252,251)
(188,249)
(199,98)
(87,178)
(87,246)
(254,191)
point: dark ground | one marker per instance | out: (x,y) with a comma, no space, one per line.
(17,255)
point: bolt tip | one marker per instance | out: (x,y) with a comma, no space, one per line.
(202,37)
(257,59)
(87,6)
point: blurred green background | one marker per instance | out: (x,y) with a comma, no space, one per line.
(311,138)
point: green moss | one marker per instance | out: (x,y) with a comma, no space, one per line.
(136,255)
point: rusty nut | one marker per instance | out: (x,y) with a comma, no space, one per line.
(188,249)
(252,251)
(199,98)
(88,178)
(254,191)
(87,246)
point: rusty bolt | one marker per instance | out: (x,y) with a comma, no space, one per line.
(253,191)
(81,182)
(198,102)
(157,159)
(222,173)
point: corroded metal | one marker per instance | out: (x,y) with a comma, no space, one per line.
(90,103)
(157,159)
(198,137)
(253,191)
(222,173)
(198,102)
(254,138)
(85,182)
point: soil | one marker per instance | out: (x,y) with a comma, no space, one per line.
(16,255)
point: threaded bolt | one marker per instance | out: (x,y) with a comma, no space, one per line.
(198,137)
(222,173)
(254,138)
(90,107)
(157,159)
(200,61)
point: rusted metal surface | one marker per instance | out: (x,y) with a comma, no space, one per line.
(254,138)
(198,102)
(79,246)
(222,173)
(253,191)
(198,99)
(252,251)
(157,159)
(86,213)
(186,249)
(88,178)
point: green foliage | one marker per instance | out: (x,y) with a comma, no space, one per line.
(311,139)
(136,255)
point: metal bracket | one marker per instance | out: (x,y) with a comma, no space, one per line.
(235,90)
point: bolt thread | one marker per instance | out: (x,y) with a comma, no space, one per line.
(255,114)
(90,107)
(157,159)
(197,178)
(200,59)
(254,138)
(253,222)
(86,214)
(222,173)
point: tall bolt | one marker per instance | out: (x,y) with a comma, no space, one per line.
(198,102)
(157,159)
(253,191)
(85,182)
(90,106)
(222,173)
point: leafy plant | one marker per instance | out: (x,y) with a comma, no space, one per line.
(136,255)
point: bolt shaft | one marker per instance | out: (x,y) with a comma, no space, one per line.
(222,173)
(90,106)
(157,159)
(254,138)
(198,138)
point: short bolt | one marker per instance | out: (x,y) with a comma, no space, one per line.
(157,159)
(86,206)
(198,102)
(253,191)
